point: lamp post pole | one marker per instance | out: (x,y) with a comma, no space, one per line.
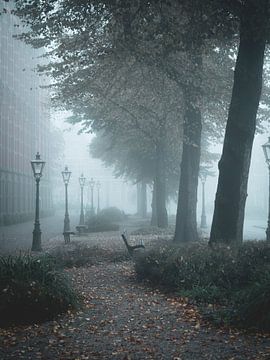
(266,150)
(36,245)
(66,220)
(268,221)
(66,176)
(82,182)
(98,204)
(203,175)
(92,184)
(203,217)
(37,167)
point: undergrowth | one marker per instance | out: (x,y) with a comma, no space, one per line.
(33,289)
(237,279)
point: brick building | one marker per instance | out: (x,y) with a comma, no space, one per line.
(24,127)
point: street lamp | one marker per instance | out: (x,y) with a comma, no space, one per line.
(37,167)
(203,175)
(82,183)
(66,176)
(92,184)
(266,150)
(98,189)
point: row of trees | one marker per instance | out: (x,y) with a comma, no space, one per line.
(153,79)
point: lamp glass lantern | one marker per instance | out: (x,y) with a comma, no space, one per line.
(92,183)
(82,180)
(98,184)
(266,150)
(66,175)
(37,166)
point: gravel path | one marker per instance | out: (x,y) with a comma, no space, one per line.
(124,319)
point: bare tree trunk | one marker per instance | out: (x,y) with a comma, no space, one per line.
(141,199)
(160,183)
(227,226)
(186,222)
(154,206)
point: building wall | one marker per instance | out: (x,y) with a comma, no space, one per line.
(24,126)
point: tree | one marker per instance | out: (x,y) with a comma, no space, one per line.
(234,164)
(169,36)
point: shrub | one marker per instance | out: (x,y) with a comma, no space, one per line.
(236,277)
(253,304)
(32,289)
(105,220)
(112,214)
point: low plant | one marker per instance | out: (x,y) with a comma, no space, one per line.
(105,220)
(112,214)
(33,289)
(237,278)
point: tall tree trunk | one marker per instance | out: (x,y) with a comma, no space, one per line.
(141,199)
(154,205)
(138,188)
(160,183)
(227,226)
(186,222)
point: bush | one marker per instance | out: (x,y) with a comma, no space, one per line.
(105,220)
(112,214)
(32,289)
(238,278)
(253,304)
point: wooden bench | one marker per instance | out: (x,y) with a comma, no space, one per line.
(131,248)
(81,229)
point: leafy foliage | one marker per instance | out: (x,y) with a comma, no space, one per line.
(237,278)
(105,220)
(33,289)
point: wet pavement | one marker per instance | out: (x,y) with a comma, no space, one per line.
(19,236)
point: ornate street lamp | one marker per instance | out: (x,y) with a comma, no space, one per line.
(37,167)
(203,175)
(82,180)
(266,150)
(66,176)
(98,189)
(92,184)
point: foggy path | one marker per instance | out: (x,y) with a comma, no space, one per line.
(123,319)
(19,236)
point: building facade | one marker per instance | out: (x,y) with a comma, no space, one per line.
(24,126)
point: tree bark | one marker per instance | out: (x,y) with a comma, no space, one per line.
(160,186)
(154,206)
(228,219)
(141,199)
(186,221)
